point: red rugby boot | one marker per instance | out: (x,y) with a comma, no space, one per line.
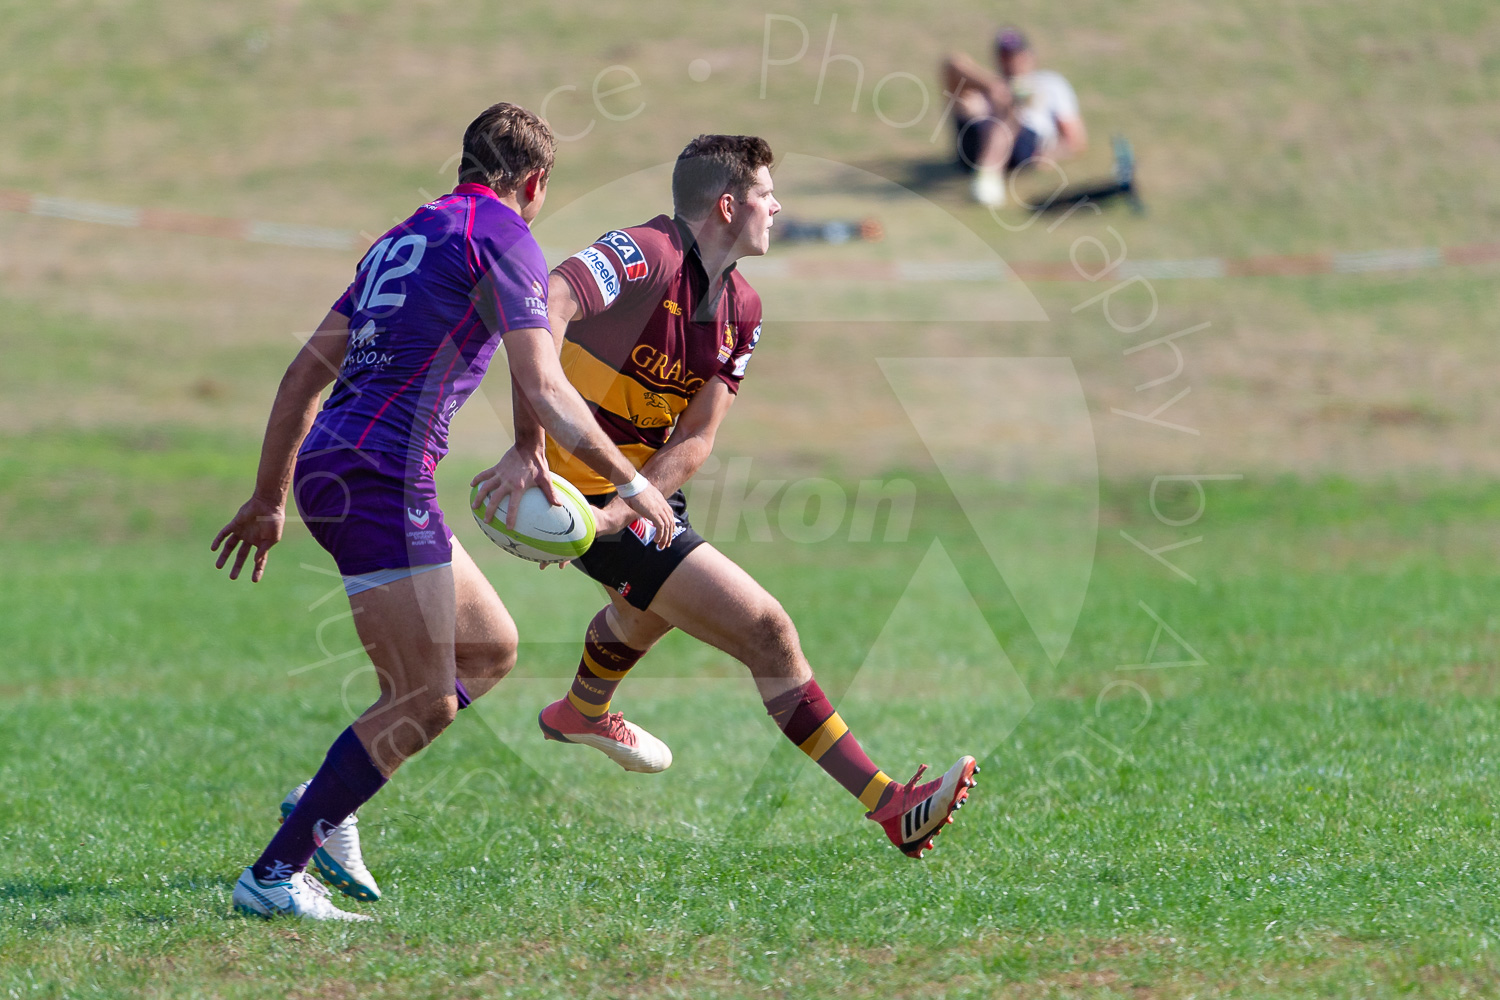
(623,742)
(917,813)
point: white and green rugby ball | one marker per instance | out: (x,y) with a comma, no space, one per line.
(543,533)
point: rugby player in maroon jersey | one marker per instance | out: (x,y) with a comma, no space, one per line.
(655,327)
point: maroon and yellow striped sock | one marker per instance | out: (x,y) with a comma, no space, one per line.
(606,660)
(809,721)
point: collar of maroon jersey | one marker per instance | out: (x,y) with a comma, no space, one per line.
(700,273)
(690,248)
(482,190)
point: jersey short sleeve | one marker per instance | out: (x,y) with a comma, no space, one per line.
(511,291)
(619,269)
(345,304)
(747,336)
(1057,96)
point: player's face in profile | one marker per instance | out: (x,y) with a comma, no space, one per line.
(760,205)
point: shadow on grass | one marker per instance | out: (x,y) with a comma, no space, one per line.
(39,904)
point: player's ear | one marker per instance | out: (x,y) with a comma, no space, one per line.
(536,185)
(726,207)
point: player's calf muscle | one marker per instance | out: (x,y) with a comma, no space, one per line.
(391,737)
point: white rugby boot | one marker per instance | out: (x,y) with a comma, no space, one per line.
(298,895)
(338,858)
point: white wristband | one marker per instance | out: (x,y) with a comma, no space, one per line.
(636,485)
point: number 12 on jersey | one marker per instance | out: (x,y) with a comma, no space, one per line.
(377,273)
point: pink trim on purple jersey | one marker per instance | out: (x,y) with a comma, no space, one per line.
(375,420)
(423,290)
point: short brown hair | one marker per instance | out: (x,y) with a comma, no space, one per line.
(504,144)
(710,165)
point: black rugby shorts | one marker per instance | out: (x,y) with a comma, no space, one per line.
(629,563)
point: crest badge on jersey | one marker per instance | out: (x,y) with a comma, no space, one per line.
(418,517)
(744,359)
(630,254)
(726,343)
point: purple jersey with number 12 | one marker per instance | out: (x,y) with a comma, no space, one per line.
(426,310)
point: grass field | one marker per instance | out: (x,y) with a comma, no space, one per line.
(1302,806)
(1307,812)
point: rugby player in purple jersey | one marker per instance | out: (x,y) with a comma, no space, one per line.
(406,345)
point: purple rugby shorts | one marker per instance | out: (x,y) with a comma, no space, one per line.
(371,510)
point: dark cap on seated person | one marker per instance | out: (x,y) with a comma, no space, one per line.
(1010,40)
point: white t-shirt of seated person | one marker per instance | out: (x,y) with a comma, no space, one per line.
(1044,97)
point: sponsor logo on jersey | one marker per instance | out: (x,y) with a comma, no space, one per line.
(671,307)
(418,517)
(364,350)
(744,359)
(537,300)
(603,270)
(630,255)
(363,337)
(663,367)
(658,402)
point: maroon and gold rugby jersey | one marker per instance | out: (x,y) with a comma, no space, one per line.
(644,340)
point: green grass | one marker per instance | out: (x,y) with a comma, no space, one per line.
(1311,808)
(1307,813)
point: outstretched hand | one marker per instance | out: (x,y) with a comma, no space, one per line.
(256,526)
(507,479)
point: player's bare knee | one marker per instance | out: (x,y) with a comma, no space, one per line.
(636,631)
(503,662)
(444,711)
(772,642)
(492,661)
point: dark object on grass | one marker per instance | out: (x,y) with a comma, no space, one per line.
(1121,185)
(838,231)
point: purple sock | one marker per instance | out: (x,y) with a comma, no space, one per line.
(464,701)
(347,780)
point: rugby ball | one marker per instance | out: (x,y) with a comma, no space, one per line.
(543,533)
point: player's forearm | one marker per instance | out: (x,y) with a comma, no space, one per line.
(296,406)
(565,416)
(291,417)
(529,434)
(677,462)
(668,470)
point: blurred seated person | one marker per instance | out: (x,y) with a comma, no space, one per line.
(1007,120)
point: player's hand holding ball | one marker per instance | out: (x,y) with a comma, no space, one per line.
(507,479)
(530,513)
